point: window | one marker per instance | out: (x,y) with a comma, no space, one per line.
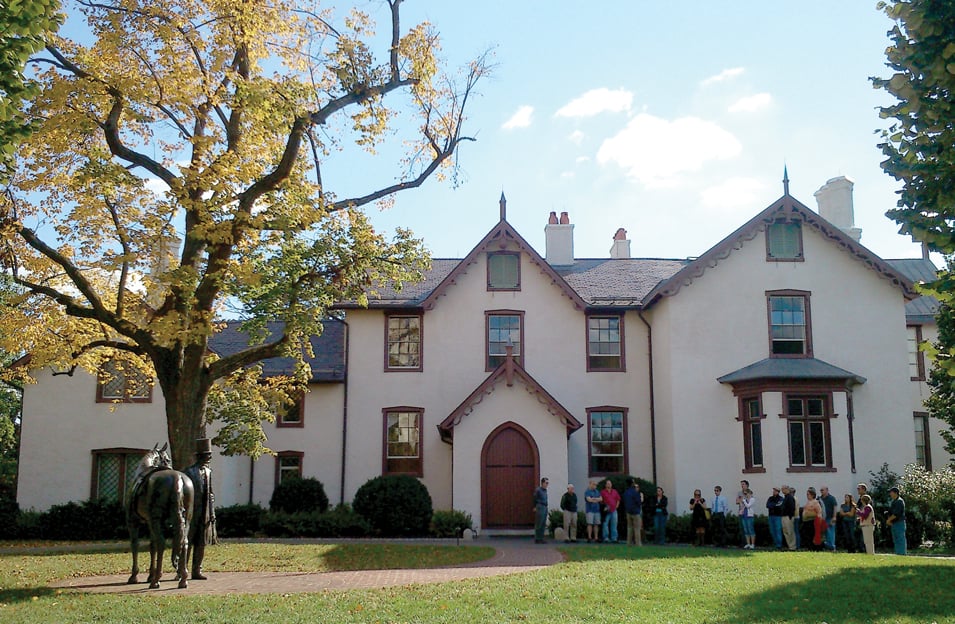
(504,328)
(288,465)
(113,471)
(789,329)
(291,413)
(784,241)
(605,343)
(607,431)
(916,357)
(808,424)
(504,271)
(402,441)
(120,382)
(751,414)
(923,452)
(403,342)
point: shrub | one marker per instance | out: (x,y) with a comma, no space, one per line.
(340,522)
(9,513)
(299,494)
(239,520)
(28,525)
(89,520)
(450,523)
(395,505)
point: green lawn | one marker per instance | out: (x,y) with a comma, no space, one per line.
(596,584)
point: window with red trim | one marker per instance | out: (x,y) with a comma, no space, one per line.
(402,444)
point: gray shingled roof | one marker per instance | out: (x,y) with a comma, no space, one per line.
(790,368)
(328,363)
(598,281)
(620,282)
(922,309)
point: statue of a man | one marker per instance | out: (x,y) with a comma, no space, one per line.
(202,530)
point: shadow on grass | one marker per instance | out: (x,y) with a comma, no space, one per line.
(908,592)
(25,594)
(622,551)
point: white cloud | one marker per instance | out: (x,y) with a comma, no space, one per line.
(726,74)
(734,194)
(522,118)
(655,151)
(751,103)
(597,101)
(576,137)
(582,159)
(156,185)
(568,175)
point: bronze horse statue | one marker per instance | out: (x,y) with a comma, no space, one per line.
(158,497)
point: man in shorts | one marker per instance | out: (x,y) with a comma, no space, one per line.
(592,511)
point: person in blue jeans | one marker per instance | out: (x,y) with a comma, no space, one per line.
(611,499)
(660,515)
(896,520)
(540,511)
(774,506)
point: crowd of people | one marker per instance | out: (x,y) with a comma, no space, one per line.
(813,525)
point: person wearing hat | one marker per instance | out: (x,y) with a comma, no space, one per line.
(896,520)
(202,530)
(774,505)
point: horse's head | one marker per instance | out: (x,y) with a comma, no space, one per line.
(154,458)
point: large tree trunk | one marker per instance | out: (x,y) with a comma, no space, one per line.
(185,391)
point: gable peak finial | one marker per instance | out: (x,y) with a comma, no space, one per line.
(503,203)
(785,180)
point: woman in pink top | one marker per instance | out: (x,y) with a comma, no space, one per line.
(867,522)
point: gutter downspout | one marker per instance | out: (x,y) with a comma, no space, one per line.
(251,479)
(341,500)
(653,419)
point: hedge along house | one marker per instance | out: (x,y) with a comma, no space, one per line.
(780,355)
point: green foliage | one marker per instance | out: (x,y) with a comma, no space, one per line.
(87,520)
(919,147)
(451,523)
(239,520)
(941,402)
(299,495)
(25,26)
(932,495)
(340,522)
(395,505)
(879,484)
(9,517)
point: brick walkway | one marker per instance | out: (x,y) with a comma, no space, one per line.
(511,556)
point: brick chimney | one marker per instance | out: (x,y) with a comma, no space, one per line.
(834,200)
(559,240)
(621,245)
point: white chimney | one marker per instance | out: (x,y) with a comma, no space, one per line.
(559,240)
(834,200)
(621,245)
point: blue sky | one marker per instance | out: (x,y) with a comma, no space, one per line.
(670,119)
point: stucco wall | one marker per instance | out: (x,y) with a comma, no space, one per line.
(520,407)
(63,423)
(453,357)
(718,324)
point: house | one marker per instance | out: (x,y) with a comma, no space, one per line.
(784,354)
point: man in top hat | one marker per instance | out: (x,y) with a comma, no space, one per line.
(202,530)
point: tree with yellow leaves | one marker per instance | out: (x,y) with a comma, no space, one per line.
(174,173)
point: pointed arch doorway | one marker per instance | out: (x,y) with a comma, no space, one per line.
(510,465)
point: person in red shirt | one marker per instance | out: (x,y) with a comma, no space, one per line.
(610,498)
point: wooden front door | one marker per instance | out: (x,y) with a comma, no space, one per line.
(509,473)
